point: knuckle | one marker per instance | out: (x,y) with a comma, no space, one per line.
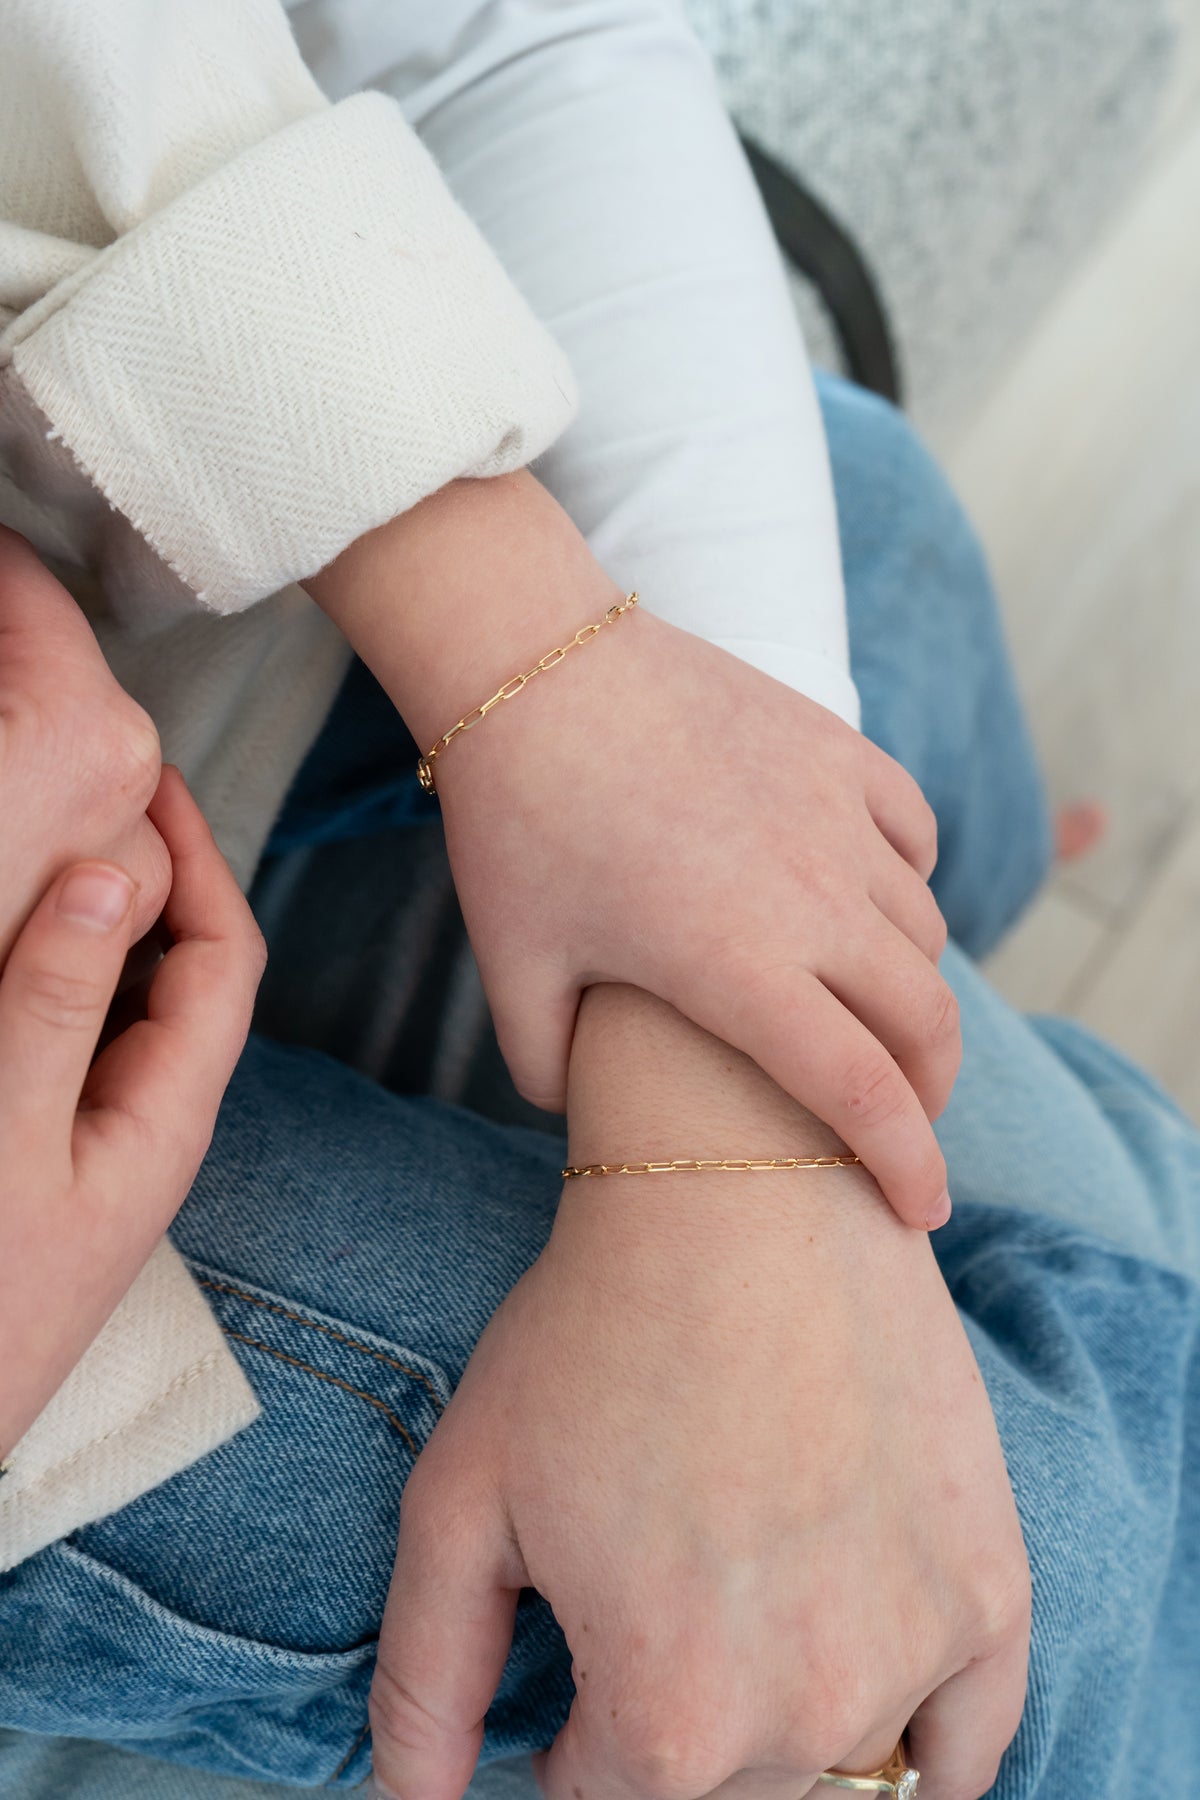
(152,871)
(112,748)
(673,1757)
(873,1090)
(543,1099)
(64,1002)
(30,717)
(534,1086)
(442,1512)
(943,1026)
(834,1716)
(921,818)
(936,930)
(909,793)
(1003,1607)
(134,752)
(531,1075)
(398,1717)
(758,975)
(255,950)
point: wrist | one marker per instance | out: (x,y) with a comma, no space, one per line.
(646,1084)
(466,589)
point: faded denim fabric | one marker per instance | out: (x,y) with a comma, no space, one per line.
(354,1241)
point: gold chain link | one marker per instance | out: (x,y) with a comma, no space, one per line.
(701,1165)
(514,685)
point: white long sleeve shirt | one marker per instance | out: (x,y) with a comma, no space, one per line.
(248,312)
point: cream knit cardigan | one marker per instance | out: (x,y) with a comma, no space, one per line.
(239,326)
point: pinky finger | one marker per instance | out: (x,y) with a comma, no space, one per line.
(958,1737)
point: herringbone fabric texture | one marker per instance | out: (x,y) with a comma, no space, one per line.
(301,346)
(157,1389)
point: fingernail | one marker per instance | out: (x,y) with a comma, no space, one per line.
(940,1213)
(376,1791)
(97,897)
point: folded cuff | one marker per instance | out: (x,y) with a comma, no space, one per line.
(158,1388)
(296,349)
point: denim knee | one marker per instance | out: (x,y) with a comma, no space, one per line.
(928,652)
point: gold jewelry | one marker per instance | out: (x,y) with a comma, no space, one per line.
(702,1165)
(894,1778)
(514,685)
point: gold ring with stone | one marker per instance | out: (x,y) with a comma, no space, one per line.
(894,1778)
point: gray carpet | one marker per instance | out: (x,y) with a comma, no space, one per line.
(972,148)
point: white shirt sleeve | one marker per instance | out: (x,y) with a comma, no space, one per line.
(588,140)
(259,323)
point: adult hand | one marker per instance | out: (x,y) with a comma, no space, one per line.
(731,1428)
(98,1155)
(79,760)
(769,1510)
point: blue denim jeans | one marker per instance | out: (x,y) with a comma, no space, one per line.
(353,1242)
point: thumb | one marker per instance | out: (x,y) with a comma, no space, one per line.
(447,1628)
(534,1012)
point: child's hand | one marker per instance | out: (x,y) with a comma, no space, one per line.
(665,815)
(654,811)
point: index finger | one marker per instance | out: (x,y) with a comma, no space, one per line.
(163,1079)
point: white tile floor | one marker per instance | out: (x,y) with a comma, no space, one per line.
(1083,474)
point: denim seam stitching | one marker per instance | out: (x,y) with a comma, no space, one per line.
(222,1287)
(323,1375)
(352,1752)
(14,1497)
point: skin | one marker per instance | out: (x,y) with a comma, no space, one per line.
(752,1593)
(79,759)
(752,1466)
(767,1504)
(655,812)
